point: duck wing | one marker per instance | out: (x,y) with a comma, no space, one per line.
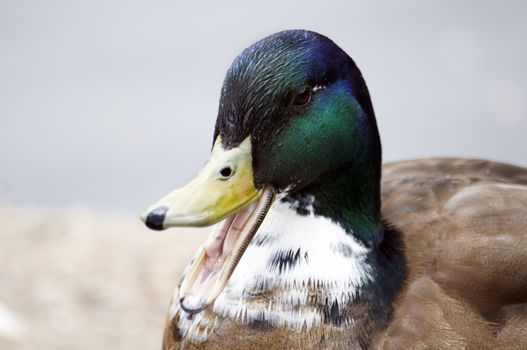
(464,224)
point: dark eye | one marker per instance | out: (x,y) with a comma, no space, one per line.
(304,97)
(226,171)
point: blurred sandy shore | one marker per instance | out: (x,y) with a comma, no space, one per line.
(77,279)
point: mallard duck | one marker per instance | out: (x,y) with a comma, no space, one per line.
(311,251)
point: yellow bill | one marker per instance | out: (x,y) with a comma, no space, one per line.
(223,190)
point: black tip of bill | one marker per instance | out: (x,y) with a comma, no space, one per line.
(154,219)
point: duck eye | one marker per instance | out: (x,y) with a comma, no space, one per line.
(226,171)
(304,97)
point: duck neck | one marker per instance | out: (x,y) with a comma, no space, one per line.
(350,197)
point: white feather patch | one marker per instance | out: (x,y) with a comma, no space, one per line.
(315,237)
(338,276)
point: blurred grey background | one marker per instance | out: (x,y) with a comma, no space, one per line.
(107,105)
(111,104)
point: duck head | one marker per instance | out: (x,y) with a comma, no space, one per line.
(295,122)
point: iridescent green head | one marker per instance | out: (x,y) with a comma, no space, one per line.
(295,116)
(304,104)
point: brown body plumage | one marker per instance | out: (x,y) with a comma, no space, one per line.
(464,227)
(464,223)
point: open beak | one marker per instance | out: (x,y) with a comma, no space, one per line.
(223,191)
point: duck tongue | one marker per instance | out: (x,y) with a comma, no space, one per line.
(220,254)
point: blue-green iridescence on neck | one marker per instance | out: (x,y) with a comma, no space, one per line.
(336,135)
